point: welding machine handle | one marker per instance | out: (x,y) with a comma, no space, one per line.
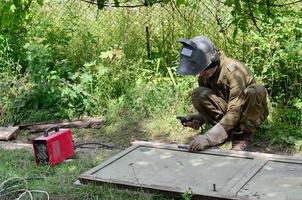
(52,128)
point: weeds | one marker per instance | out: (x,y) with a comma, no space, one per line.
(71,60)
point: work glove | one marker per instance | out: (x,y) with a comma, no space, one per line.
(193,121)
(212,137)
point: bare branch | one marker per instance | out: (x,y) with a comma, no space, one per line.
(180,13)
(268,4)
(119,6)
(253,18)
(280,5)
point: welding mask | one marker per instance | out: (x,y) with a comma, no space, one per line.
(196,55)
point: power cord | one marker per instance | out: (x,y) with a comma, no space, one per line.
(98,145)
(18,187)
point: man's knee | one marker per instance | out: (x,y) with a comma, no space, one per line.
(255,107)
(256,89)
(200,93)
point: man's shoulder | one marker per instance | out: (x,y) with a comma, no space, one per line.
(231,64)
(232,69)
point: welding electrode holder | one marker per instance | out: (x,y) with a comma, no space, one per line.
(52,128)
(182,120)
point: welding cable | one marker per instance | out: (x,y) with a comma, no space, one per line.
(99,145)
(13,178)
(11,186)
(24,193)
(31,195)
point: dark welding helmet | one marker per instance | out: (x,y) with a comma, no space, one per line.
(196,55)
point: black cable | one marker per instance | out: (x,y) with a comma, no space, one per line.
(100,145)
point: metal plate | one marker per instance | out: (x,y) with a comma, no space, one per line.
(276,180)
(175,169)
(210,174)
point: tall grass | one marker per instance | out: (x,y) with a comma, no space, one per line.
(79,61)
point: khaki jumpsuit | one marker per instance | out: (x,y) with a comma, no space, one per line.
(231,97)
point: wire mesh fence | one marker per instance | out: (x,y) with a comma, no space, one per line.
(137,29)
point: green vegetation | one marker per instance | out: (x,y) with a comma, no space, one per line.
(58,181)
(65,59)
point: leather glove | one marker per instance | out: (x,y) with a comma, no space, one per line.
(193,121)
(198,143)
(212,137)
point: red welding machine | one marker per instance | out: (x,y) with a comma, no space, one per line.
(54,147)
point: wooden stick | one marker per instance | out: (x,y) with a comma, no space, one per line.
(79,123)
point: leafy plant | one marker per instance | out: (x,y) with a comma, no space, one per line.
(69,59)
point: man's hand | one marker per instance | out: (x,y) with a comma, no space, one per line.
(193,121)
(195,124)
(198,143)
(214,136)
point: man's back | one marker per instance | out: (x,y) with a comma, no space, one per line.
(230,72)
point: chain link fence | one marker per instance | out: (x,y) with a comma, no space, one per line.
(138,30)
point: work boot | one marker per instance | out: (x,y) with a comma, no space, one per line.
(240,140)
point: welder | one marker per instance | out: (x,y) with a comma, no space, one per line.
(227,96)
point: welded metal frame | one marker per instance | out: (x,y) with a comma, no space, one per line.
(228,192)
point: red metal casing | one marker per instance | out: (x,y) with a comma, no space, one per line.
(54,147)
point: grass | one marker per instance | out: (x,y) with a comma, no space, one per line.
(58,181)
(128,89)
